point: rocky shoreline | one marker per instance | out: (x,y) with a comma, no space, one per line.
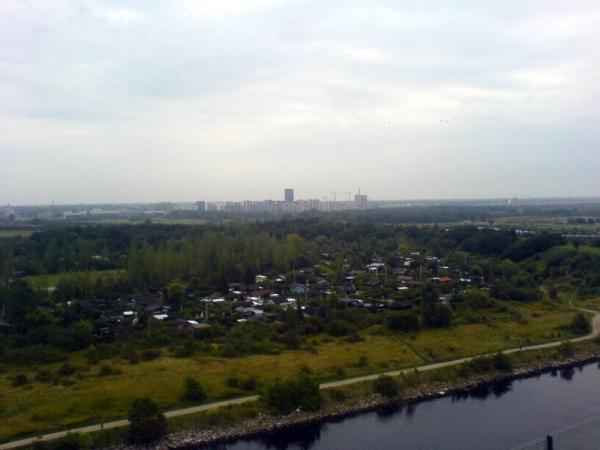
(263,423)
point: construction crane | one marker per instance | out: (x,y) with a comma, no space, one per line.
(334,193)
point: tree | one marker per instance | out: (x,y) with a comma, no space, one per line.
(300,392)
(386,386)
(477,299)
(434,314)
(580,325)
(193,390)
(18,300)
(401,321)
(176,293)
(146,421)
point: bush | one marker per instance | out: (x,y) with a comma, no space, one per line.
(566,349)
(146,422)
(300,392)
(502,362)
(362,361)
(580,325)
(291,340)
(355,338)
(184,351)
(20,379)
(339,328)
(43,376)
(133,357)
(66,369)
(232,382)
(193,390)
(106,371)
(250,383)
(72,441)
(386,386)
(35,354)
(337,395)
(150,354)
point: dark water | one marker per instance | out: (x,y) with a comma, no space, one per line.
(500,417)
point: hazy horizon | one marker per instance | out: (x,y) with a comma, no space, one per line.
(149,101)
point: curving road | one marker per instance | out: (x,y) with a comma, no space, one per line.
(251,398)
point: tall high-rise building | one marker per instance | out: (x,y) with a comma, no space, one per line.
(360,201)
(288,195)
(201,206)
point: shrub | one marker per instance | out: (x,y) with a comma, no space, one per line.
(150,354)
(20,379)
(386,386)
(566,349)
(291,340)
(92,355)
(362,361)
(340,372)
(184,351)
(35,354)
(66,369)
(72,441)
(133,357)
(337,395)
(580,325)
(43,376)
(146,422)
(339,328)
(300,392)
(354,338)
(232,382)
(106,370)
(250,383)
(193,390)
(502,362)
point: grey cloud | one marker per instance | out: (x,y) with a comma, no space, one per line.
(198,99)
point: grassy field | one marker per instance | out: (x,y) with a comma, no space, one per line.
(43,406)
(53,279)
(555,224)
(16,233)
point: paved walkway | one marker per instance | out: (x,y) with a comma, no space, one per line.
(251,398)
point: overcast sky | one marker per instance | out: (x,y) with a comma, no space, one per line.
(148,100)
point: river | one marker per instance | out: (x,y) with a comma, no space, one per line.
(501,417)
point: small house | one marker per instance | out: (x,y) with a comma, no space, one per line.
(299,288)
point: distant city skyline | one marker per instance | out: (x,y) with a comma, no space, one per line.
(118,101)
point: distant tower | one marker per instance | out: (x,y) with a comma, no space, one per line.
(288,195)
(201,206)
